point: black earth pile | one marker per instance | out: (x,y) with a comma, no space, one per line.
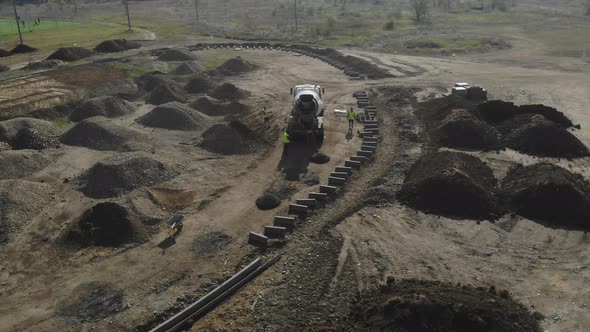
(69,54)
(451,184)
(230,138)
(44,64)
(149,81)
(28,138)
(107,224)
(18,164)
(267,202)
(116,45)
(496,111)
(177,54)
(234,66)
(4,68)
(9,128)
(199,84)
(214,107)
(122,173)
(99,133)
(430,306)
(166,92)
(175,116)
(188,68)
(541,137)
(20,202)
(548,193)
(4,53)
(319,158)
(91,302)
(107,106)
(461,129)
(22,48)
(228,91)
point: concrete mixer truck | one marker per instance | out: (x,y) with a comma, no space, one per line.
(306,121)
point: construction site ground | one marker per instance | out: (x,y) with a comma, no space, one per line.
(345,249)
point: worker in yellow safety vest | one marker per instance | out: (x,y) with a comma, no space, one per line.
(266,118)
(286,142)
(351,118)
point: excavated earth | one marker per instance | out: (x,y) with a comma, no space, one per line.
(166,92)
(228,92)
(188,68)
(70,54)
(234,66)
(174,116)
(230,138)
(107,106)
(116,45)
(199,84)
(99,133)
(177,54)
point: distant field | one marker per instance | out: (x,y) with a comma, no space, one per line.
(8,25)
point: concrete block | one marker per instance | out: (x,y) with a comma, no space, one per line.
(275,232)
(287,222)
(371,126)
(368,143)
(328,189)
(362,159)
(298,209)
(369,148)
(309,202)
(368,133)
(364,153)
(353,164)
(370,139)
(334,181)
(343,169)
(344,175)
(256,239)
(371,122)
(318,196)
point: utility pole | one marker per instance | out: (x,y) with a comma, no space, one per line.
(295,15)
(75,7)
(197,9)
(127,12)
(20,36)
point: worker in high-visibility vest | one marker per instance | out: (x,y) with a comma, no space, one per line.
(266,118)
(286,142)
(351,118)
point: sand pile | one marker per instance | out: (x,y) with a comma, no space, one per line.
(230,138)
(175,116)
(116,45)
(166,92)
(122,173)
(267,202)
(20,202)
(199,84)
(451,184)
(69,54)
(549,193)
(44,64)
(541,137)
(18,164)
(28,138)
(214,107)
(4,68)
(427,306)
(22,48)
(177,54)
(9,128)
(107,224)
(99,133)
(461,129)
(188,68)
(228,91)
(107,106)
(150,81)
(234,66)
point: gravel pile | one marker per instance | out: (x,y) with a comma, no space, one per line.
(116,45)
(228,91)
(21,163)
(44,64)
(177,54)
(188,68)
(107,106)
(214,107)
(149,81)
(28,138)
(166,92)
(199,84)
(175,116)
(230,138)
(234,66)
(69,54)
(9,128)
(99,133)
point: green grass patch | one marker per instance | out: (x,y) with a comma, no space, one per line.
(443,45)
(62,121)
(565,42)
(8,26)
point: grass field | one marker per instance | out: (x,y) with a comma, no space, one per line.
(8,26)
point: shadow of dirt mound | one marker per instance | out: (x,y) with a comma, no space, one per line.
(548,192)
(174,116)
(69,54)
(429,306)
(123,173)
(214,107)
(228,91)
(99,133)
(116,45)
(107,106)
(92,302)
(452,184)
(230,138)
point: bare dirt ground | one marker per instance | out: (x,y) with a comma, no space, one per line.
(346,249)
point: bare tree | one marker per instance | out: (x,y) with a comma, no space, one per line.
(420,9)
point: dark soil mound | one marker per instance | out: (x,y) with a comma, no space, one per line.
(150,81)
(175,116)
(122,173)
(18,164)
(267,202)
(177,54)
(4,53)
(214,107)
(22,48)
(228,91)
(544,138)
(4,68)
(198,85)
(116,45)
(235,66)
(107,224)
(70,54)
(461,129)
(98,133)
(188,68)
(165,93)
(429,306)
(230,138)
(319,158)
(496,111)
(91,302)
(9,128)
(44,64)
(28,138)
(107,106)
(549,193)
(451,184)
(548,112)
